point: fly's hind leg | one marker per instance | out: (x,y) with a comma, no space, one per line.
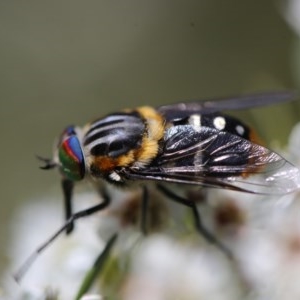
(197,218)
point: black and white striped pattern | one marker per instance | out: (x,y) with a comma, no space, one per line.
(114,135)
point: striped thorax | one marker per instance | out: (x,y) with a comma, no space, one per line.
(119,140)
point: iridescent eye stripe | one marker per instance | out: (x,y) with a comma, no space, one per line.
(71,149)
(71,158)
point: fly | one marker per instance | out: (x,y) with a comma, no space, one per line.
(191,143)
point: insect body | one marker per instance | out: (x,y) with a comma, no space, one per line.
(190,143)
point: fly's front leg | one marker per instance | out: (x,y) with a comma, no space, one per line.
(67,187)
(78,215)
(197,218)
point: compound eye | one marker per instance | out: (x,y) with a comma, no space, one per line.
(71,158)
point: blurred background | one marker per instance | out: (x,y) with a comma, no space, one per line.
(68,62)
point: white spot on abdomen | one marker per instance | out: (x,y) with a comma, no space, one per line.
(219,123)
(240,130)
(195,121)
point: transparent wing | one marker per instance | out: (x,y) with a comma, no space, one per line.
(182,110)
(218,159)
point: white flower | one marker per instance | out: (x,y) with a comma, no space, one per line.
(262,233)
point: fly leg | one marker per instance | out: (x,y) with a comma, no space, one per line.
(197,218)
(78,215)
(67,187)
